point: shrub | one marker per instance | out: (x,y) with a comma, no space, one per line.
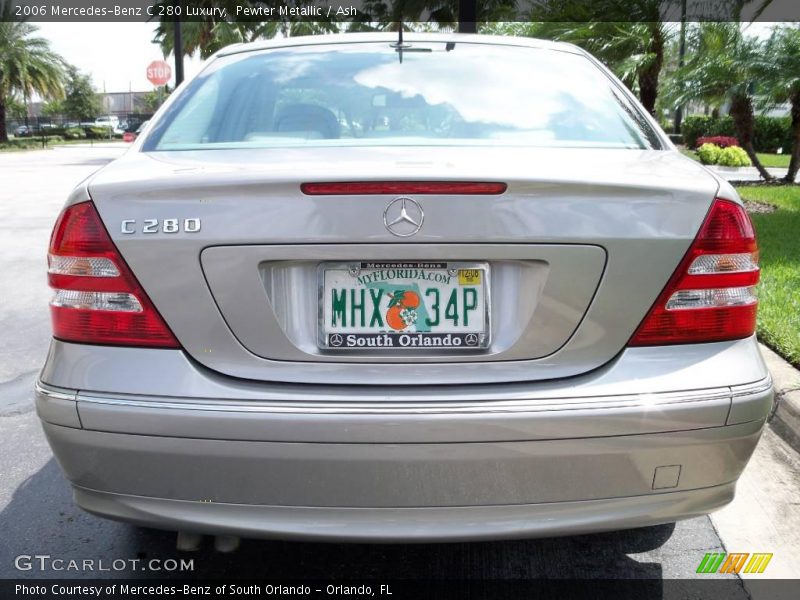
(74,133)
(733,156)
(709,154)
(21,143)
(29,143)
(723,141)
(770,133)
(695,127)
(98,133)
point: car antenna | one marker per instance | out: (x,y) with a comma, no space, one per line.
(400,42)
(400,45)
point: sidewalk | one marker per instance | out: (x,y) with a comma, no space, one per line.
(101,144)
(764,517)
(747,173)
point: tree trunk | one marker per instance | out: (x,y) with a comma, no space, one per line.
(744,122)
(648,77)
(467,16)
(3,132)
(794,163)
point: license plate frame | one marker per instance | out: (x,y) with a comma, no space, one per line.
(480,342)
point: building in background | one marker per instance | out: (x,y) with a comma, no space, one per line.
(114,103)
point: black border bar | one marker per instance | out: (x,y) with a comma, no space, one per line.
(389,12)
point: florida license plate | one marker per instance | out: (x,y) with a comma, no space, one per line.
(403,305)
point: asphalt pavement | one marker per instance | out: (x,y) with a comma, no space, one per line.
(37,515)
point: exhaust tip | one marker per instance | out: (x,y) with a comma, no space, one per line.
(226,543)
(188,542)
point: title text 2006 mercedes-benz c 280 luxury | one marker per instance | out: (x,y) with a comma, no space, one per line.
(461,287)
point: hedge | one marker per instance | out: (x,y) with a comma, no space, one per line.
(770,133)
(98,133)
(723,141)
(29,143)
(74,133)
(21,143)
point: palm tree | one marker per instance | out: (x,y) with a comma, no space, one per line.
(781,81)
(27,66)
(724,67)
(633,50)
(630,36)
(209,34)
(633,47)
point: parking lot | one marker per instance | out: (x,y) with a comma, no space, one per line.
(37,515)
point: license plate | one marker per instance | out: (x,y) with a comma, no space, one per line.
(403,305)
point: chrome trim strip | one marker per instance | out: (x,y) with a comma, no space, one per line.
(52,393)
(758,387)
(411,408)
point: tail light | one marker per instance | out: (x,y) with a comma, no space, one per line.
(97,299)
(711,297)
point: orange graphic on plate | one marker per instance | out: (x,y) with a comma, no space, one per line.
(402,309)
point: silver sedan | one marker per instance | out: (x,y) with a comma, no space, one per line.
(461,287)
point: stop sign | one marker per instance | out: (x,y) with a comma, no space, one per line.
(158,72)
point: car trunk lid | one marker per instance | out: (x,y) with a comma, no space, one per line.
(578,247)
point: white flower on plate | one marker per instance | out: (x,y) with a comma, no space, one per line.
(409,316)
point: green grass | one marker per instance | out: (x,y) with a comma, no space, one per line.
(34,143)
(21,144)
(779,293)
(774,160)
(85,142)
(768,160)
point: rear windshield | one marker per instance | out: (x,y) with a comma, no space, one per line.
(371,94)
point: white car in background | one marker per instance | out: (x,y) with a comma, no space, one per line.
(111,121)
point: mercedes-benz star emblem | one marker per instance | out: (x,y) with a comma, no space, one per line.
(471,339)
(403,217)
(336,340)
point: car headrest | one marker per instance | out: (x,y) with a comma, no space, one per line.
(308,118)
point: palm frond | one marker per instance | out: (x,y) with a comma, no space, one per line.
(27,64)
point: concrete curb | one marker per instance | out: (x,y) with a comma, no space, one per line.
(746,174)
(786,420)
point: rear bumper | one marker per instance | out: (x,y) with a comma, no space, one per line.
(459,523)
(389,492)
(615,448)
(410,492)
